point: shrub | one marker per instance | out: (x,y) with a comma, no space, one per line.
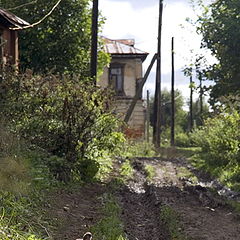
(219,139)
(65,115)
(182,140)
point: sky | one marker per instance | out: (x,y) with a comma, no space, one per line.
(138,19)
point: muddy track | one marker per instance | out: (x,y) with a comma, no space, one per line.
(76,211)
(203,214)
(140,215)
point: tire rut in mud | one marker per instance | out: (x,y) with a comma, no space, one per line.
(203,215)
(141,216)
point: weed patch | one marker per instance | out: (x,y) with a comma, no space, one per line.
(171,220)
(110,227)
(126,170)
(150,171)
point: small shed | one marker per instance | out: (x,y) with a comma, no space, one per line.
(9,37)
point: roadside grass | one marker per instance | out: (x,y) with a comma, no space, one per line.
(133,149)
(150,172)
(171,220)
(228,176)
(110,227)
(24,181)
(126,170)
(185,173)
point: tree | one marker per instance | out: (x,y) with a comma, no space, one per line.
(180,115)
(61,43)
(219,25)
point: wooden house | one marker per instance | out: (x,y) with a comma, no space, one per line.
(123,76)
(9,37)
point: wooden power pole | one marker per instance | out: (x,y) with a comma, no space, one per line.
(201,97)
(191,101)
(148,116)
(173,99)
(157,99)
(94,43)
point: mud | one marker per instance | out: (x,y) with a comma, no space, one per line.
(193,195)
(75,211)
(203,214)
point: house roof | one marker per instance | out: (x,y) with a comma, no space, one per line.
(10,20)
(123,48)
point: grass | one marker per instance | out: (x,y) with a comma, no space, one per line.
(110,226)
(185,173)
(24,181)
(126,170)
(133,149)
(171,220)
(150,171)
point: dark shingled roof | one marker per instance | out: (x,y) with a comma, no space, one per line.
(10,20)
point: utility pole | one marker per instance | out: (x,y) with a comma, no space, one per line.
(94,43)
(191,101)
(157,99)
(148,116)
(173,98)
(201,96)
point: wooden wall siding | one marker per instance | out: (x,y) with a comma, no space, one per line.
(10,46)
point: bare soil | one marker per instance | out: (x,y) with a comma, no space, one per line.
(76,211)
(203,214)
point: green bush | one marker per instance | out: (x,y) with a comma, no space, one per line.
(182,140)
(219,139)
(67,116)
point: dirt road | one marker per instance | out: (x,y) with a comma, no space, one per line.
(202,213)
(146,203)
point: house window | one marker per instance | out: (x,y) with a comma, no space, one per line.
(116,79)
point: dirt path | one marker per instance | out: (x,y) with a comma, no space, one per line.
(203,214)
(76,211)
(141,216)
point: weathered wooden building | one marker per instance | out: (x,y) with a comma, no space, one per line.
(123,76)
(9,37)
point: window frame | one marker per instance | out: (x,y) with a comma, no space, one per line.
(120,66)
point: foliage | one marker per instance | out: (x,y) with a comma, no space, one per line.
(61,43)
(171,220)
(126,170)
(219,140)
(68,118)
(182,140)
(150,171)
(110,227)
(137,149)
(219,26)
(180,114)
(22,180)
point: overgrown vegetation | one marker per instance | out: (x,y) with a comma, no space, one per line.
(68,118)
(219,140)
(133,149)
(126,170)
(150,171)
(110,227)
(22,179)
(172,222)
